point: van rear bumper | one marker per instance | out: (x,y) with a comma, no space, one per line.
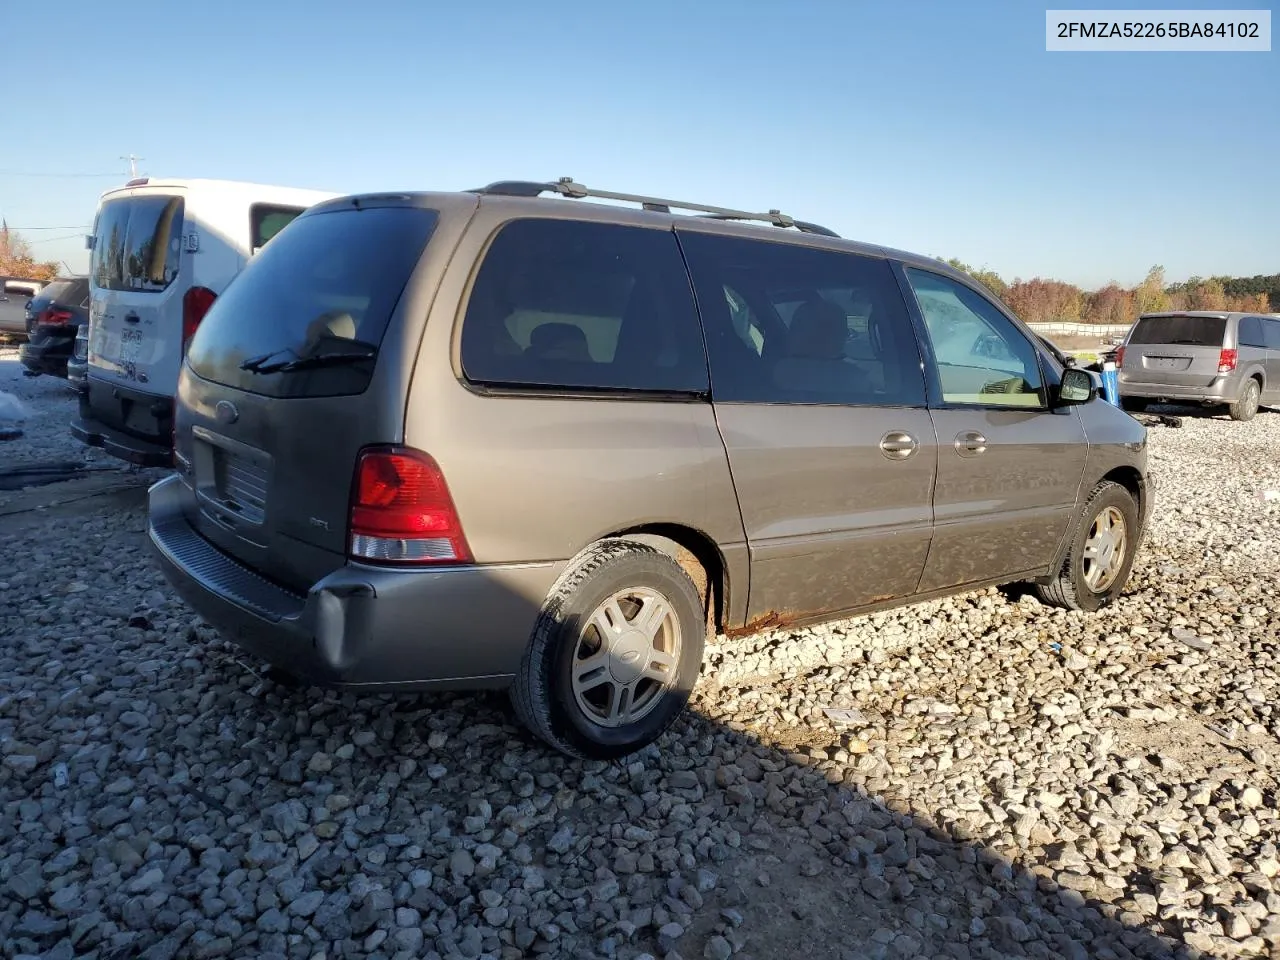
(118,444)
(1220,391)
(377,629)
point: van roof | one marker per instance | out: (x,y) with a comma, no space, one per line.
(228,188)
(1203,314)
(576,201)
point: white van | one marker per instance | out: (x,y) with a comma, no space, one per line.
(163,250)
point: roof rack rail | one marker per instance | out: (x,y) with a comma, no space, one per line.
(567,187)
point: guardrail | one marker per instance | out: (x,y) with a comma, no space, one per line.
(1067,328)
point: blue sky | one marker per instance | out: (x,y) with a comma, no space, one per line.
(949,130)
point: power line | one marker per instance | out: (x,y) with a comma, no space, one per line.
(133,165)
(67,236)
(29,173)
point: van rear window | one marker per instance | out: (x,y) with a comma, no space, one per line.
(138,243)
(1191,331)
(305,317)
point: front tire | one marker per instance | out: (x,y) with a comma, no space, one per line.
(614,655)
(1246,407)
(1101,555)
(1134,404)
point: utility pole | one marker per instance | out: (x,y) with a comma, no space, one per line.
(133,165)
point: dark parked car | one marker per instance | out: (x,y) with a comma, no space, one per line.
(53,319)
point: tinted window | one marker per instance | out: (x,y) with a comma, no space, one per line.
(792,324)
(1191,331)
(56,290)
(1271,332)
(266,220)
(561,303)
(982,358)
(138,243)
(328,285)
(1251,332)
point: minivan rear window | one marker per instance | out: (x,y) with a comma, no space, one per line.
(305,317)
(138,243)
(1191,331)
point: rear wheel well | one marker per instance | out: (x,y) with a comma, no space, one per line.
(698,554)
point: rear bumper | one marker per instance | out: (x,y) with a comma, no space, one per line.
(130,425)
(1221,390)
(78,373)
(361,626)
(120,445)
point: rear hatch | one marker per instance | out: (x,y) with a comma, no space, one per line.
(1176,350)
(136,283)
(40,303)
(281,388)
(60,307)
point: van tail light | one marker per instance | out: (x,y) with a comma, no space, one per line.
(53,317)
(402,512)
(1119,357)
(1226,360)
(195,304)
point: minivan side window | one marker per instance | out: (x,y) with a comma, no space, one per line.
(787,323)
(1271,333)
(572,305)
(138,243)
(1251,332)
(268,219)
(982,358)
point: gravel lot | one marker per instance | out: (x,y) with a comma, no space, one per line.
(1010,781)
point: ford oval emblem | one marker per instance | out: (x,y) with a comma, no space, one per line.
(226,412)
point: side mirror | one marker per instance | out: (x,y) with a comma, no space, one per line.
(1077,387)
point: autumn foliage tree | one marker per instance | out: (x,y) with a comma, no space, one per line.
(16,259)
(1045,301)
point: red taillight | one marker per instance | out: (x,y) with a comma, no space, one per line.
(1226,360)
(401,511)
(195,304)
(1119,357)
(53,317)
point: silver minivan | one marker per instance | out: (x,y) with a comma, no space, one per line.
(495,439)
(1215,359)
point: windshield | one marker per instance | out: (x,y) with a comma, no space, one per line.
(324,288)
(1190,331)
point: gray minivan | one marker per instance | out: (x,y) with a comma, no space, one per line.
(1224,359)
(497,439)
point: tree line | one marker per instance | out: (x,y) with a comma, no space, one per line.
(16,259)
(1044,301)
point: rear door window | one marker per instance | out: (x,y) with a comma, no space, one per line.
(1186,331)
(793,324)
(1251,332)
(138,243)
(567,305)
(306,316)
(1271,333)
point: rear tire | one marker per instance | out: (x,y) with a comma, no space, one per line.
(1246,407)
(1098,562)
(614,655)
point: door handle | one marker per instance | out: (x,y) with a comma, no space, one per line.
(897,445)
(131,318)
(971,443)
